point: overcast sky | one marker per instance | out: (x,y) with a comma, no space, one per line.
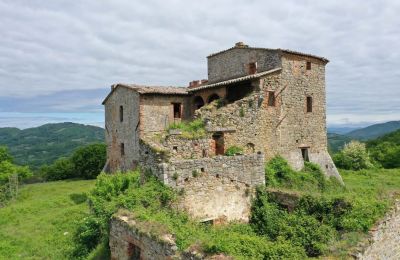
(58,58)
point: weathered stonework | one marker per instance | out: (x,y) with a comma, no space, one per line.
(267,101)
(133,239)
(383,242)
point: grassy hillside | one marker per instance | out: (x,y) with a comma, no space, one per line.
(374,131)
(40,224)
(46,143)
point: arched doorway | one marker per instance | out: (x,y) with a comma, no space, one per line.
(212,98)
(198,102)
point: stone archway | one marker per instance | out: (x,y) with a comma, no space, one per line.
(198,102)
(212,97)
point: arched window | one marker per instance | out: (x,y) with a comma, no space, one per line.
(198,102)
(212,98)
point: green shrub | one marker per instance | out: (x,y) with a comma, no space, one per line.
(386,154)
(5,155)
(61,169)
(268,219)
(241,112)
(88,161)
(354,156)
(233,150)
(87,236)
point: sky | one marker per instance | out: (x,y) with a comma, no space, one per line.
(58,58)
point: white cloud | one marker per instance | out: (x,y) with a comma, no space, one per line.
(54,46)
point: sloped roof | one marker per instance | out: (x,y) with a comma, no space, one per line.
(269,49)
(239,79)
(160,90)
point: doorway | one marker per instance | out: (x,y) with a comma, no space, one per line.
(304,154)
(218,143)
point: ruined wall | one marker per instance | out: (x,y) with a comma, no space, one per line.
(122,132)
(146,241)
(207,197)
(156,111)
(247,169)
(216,187)
(384,238)
(134,239)
(234,63)
(182,148)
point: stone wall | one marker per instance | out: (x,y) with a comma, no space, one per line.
(182,148)
(156,111)
(208,197)
(234,63)
(129,237)
(383,242)
(247,169)
(286,127)
(134,239)
(125,132)
(217,187)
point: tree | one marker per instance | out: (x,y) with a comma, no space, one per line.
(61,169)
(354,156)
(88,161)
(5,155)
(7,168)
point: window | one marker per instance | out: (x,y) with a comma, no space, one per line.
(121,113)
(308,65)
(122,149)
(177,110)
(252,67)
(309,104)
(271,98)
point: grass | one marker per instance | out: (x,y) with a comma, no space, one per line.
(190,130)
(41,222)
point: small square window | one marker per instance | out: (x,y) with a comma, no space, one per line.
(271,98)
(308,65)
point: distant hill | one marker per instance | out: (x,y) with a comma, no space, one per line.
(46,143)
(374,131)
(337,141)
(341,130)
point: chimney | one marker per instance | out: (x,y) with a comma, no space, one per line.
(194,83)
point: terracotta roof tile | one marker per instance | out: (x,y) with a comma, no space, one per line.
(230,81)
(167,90)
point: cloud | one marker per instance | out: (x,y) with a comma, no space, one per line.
(55,54)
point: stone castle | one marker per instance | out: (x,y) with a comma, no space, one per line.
(265,101)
